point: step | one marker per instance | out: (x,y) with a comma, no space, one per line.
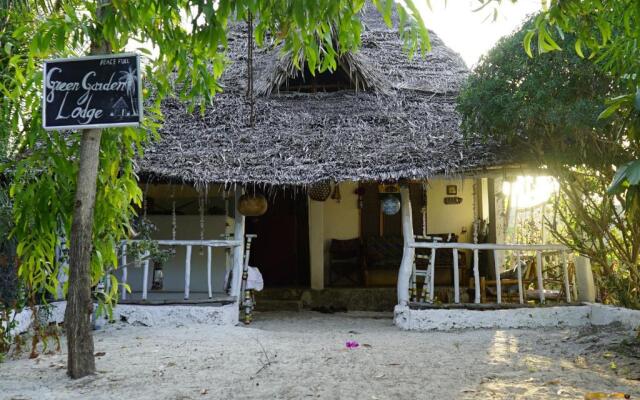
(279,294)
(278,305)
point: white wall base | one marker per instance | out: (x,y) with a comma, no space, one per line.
(561,316)
(228,314)
(605,315)
(171,315)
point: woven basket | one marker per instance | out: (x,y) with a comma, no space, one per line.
(320,191)
(252,205)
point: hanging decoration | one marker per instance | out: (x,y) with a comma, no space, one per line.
(201,212)
(252,205)
(360,191)
(423,210)
(320,191)
(336,193)
(173,217)
(158,276)
(475,213)
(144,200)
(390,205)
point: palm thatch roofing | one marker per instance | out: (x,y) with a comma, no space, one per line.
(399,121)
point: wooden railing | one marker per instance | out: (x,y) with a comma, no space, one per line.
(409,258)
(539,250)
(209,244)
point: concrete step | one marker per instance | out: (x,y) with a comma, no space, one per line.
(278,305)
(279,294)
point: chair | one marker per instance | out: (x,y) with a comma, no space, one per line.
(345,261)
(420,268)
(509,280)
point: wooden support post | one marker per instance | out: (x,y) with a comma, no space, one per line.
(483,290)
(124,271)
(238,251)
(209,271)
(496,266)
(187,273)
(432,272)
(539,273)
(408,254)
(520,288)
(476,276)
(145,276)
(456,278)
(565,274)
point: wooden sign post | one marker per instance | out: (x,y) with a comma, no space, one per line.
(88,93)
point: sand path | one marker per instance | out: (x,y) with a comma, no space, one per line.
(303,355)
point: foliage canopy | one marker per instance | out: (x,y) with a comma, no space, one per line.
(546,109)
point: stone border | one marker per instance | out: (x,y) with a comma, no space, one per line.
(223,315)
(560,316)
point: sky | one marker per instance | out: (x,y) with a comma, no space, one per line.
(466,31)
(469,33)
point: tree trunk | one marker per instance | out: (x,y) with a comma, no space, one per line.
(77,317)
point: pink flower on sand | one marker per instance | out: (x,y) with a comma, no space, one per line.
(352,344)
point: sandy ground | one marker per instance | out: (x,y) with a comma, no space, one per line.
(303,355)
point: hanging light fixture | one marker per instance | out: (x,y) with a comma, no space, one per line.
(320,191)
(390,205)
(252,205)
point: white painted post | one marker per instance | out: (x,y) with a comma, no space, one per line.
(124,271)
(476,275)
(432,268)
(520,288)
(539,273)
(209,271)
(238,251)
(145,276)
(496,266)
(408,253)
(187,273)
(565,274)
(456,278)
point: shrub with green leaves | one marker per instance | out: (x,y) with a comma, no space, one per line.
(546,111)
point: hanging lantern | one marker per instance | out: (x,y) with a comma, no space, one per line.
(252,205)
(390,205)
(320,191)
(158,277)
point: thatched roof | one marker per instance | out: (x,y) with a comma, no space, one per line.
(400,122)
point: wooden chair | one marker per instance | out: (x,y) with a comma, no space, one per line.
(509,281)
(345,261)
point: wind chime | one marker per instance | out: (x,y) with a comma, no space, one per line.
(173,214)
(144,201)
(476,221)
(201,206)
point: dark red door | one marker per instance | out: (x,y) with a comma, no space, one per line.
(281,250)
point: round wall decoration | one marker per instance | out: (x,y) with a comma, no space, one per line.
(320,191)
(390,205)
(252,205)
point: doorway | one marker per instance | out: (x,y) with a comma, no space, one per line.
(281,250)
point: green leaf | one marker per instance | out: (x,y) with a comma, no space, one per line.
(578,47)
(627,174)
(609,110)
(527,42)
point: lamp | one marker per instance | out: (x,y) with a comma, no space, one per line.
(390,205)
